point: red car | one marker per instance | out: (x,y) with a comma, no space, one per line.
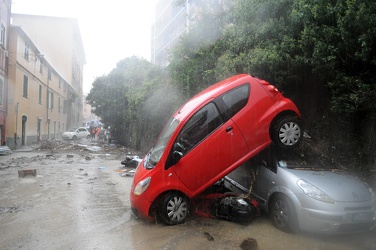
(215,132)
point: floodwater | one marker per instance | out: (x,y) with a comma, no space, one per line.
(81,201)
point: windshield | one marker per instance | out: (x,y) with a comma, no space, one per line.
(303,165)
(72,130)
(158,149)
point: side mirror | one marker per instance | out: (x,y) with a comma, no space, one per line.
(179,147)
(175,157)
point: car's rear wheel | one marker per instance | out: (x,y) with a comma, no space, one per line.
(74,137)
(287,132)
(282,214)
(173,208)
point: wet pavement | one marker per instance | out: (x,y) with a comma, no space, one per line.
(80,200)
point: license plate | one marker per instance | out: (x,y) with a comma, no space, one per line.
(361,216)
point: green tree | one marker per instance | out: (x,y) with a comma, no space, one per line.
(320,53)
(339,41)
(195,56)
(132,100)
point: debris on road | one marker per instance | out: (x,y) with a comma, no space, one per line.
(27,172)
(126,172)
(131,161)
(249,244)
(51,157)
(208,236)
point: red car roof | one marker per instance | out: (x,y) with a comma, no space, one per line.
(210,93)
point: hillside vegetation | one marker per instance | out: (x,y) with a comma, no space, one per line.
(321,54)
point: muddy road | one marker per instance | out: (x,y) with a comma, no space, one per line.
(79,199)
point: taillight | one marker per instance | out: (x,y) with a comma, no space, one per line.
(270,88)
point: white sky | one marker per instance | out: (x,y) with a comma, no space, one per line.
(111,30)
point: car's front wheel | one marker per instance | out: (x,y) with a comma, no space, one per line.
(74,137)
(173,208)
(287,132)
(282,214)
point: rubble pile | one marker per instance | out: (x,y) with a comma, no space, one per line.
(21,161)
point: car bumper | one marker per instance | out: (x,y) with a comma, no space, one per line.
(338,218)
(140,206)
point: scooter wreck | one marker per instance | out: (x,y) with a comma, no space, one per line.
(227,206)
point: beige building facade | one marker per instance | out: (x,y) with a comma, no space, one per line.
(46,61)
(5,12)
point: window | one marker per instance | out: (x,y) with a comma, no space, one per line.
(26,52)
(25,86)
(234,100)
(59,83)
(50,100)
(58,105)
(41,68)
(199,126)
(40,94)
(2,34)
(1,91)
(65,106)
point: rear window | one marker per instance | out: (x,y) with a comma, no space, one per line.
(235,100)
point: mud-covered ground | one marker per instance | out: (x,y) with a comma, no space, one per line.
(79,199)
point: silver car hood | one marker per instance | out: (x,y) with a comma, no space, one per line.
(340,186)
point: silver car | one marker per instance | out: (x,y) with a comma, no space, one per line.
(306,196)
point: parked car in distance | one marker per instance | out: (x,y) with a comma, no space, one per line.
(76,133)
(299,195)
(208,137)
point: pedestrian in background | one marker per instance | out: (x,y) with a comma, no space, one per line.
(93,132)
(98,131)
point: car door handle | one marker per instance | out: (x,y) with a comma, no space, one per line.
(228,129)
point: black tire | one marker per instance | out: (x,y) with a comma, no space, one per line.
(282,214)
(287,132)
(88,137)
(173,208)
(74,137)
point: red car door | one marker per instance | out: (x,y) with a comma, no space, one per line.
(211,146)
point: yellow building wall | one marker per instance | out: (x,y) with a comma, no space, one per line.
(59,39)
(33,107)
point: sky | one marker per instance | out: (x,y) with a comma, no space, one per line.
(111,30)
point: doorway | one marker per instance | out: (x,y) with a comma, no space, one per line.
(23,139)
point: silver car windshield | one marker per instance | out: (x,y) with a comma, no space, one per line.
(303,165)
(158,149)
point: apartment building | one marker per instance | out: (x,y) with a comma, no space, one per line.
(5,12)
(46,61)
(171,22)
(175,18)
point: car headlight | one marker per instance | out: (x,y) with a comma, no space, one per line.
(141,186)
(313,192)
